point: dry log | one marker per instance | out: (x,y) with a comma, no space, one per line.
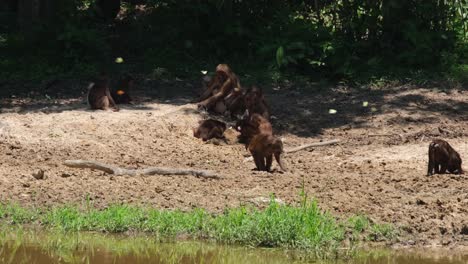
(132,172)
(316,144)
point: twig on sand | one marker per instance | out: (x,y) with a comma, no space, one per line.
(133,172)
(310,145)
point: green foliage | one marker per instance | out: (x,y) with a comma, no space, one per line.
(380,232)
(278,226)
(17,214)
(305,227)
(346,39)
(359,223)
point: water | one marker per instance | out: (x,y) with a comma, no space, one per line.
(38,247)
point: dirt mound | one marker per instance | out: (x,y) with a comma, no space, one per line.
(378,169)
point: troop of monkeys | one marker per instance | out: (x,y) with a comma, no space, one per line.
(223,94)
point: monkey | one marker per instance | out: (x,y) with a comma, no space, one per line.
(256,133)
(245,129)
(251,126)
(99,96)
(255,102)
(443,158)
(220,107)
(235,103)
(209,129)
(220,86)
(122,95)
(263,147)
(208,90)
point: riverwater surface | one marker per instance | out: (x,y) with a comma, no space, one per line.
(21,246)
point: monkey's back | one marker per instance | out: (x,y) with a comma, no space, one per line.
(96,94)
(261,142)
(210,128)
(442,152)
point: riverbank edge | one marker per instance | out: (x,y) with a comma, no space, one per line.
(305,227)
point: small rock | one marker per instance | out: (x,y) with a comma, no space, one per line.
(65,175)
(420,202)
(443,230)
(26,185)
(39,175)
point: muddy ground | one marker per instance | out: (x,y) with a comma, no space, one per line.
(378,169)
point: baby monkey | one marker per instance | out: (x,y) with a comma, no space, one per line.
(209,129)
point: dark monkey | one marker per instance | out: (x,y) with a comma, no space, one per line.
(443,158)
(209,129)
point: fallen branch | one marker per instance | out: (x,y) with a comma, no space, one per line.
(305,146)
(132,172)
(316,144)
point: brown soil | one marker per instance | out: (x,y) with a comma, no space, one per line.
(378,169)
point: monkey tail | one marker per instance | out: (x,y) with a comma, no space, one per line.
(90,86)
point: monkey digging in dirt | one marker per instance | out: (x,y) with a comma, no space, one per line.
(443,158)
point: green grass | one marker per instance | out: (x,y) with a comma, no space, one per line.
(304,227)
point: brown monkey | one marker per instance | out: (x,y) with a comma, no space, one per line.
(235,103)
(209,129)
(443,158)
(251,126)
(263,147)
(246,131)
(255,102)
(223,83)
(99,96)
(122,94)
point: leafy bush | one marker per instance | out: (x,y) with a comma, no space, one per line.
(331,38)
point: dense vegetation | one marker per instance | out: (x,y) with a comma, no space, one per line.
(335,39)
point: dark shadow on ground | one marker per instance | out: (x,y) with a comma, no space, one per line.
(57,96)
(302,110)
